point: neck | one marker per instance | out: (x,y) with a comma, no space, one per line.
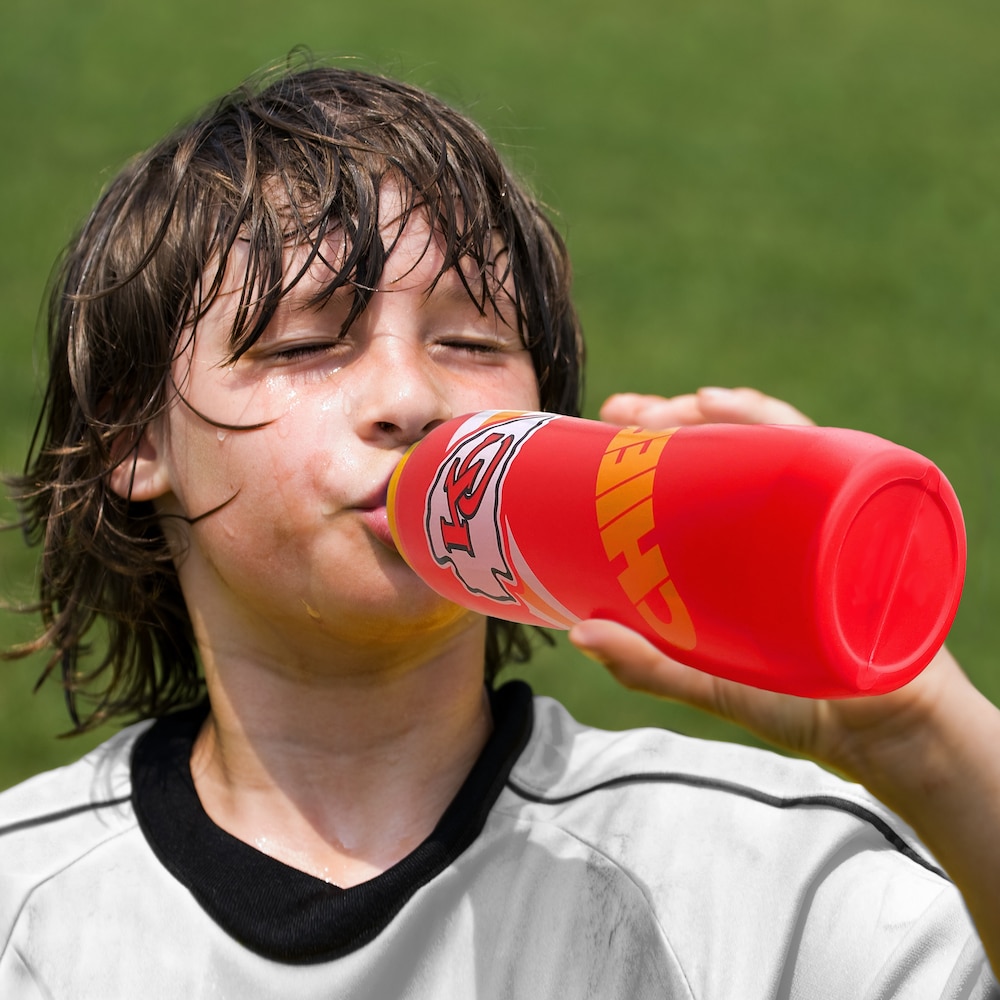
(341,771)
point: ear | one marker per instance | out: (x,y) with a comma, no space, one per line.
(140,470)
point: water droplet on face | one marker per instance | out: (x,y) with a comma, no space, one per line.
(221,435)
(330,401)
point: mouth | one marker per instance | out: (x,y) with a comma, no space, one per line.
(377,521)
(376,499)
(372,510)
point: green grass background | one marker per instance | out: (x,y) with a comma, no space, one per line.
(802,195)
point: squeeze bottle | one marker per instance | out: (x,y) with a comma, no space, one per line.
(819,562)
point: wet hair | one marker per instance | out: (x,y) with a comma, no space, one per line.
(292,158)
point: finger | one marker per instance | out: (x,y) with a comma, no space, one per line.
(709,404)
(653,412)
(746,406)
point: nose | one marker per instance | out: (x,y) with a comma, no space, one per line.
(398,395)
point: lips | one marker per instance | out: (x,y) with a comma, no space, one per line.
(377,520)
(373,512)
(375,499)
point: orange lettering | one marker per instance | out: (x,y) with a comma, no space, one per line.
(678,629)
(621,498)
(643,570)
(630,453)
(624,509)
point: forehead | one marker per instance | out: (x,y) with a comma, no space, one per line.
(406,248)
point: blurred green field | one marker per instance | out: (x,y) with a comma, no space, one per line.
(801,195)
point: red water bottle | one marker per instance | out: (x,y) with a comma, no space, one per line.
(816,561)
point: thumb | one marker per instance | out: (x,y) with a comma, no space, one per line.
(793,723)
(638,665)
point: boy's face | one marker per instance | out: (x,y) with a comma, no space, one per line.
(299,544)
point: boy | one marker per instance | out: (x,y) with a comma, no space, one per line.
(259,317)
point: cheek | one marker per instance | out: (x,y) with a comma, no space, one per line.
(198,461)
(513,388)
(523,387)
(290,473)
(524,382)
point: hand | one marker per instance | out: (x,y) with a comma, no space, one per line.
(860,737)
(847,734)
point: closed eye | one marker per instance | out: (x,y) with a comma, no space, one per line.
(474,346)
(296,352)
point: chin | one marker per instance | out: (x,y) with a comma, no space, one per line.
(396,611)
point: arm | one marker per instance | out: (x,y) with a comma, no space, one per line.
(928,750)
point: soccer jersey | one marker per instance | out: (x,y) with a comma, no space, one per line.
(572,863)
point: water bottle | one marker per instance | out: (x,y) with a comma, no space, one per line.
(820,562)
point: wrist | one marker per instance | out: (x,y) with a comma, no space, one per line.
(929,760)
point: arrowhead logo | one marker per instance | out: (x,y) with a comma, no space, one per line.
(465,502)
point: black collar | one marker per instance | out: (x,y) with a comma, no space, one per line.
(278,911)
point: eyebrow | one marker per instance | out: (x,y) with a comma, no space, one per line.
(480,289)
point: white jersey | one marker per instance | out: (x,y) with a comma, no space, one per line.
(573,863)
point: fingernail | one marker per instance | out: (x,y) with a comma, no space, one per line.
(580,639)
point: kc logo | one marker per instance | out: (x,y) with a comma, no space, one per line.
(465,484)
(465,501)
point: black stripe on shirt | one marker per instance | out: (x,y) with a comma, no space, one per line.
(754,794)
(61,814)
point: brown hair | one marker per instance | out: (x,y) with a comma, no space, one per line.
(288,157)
